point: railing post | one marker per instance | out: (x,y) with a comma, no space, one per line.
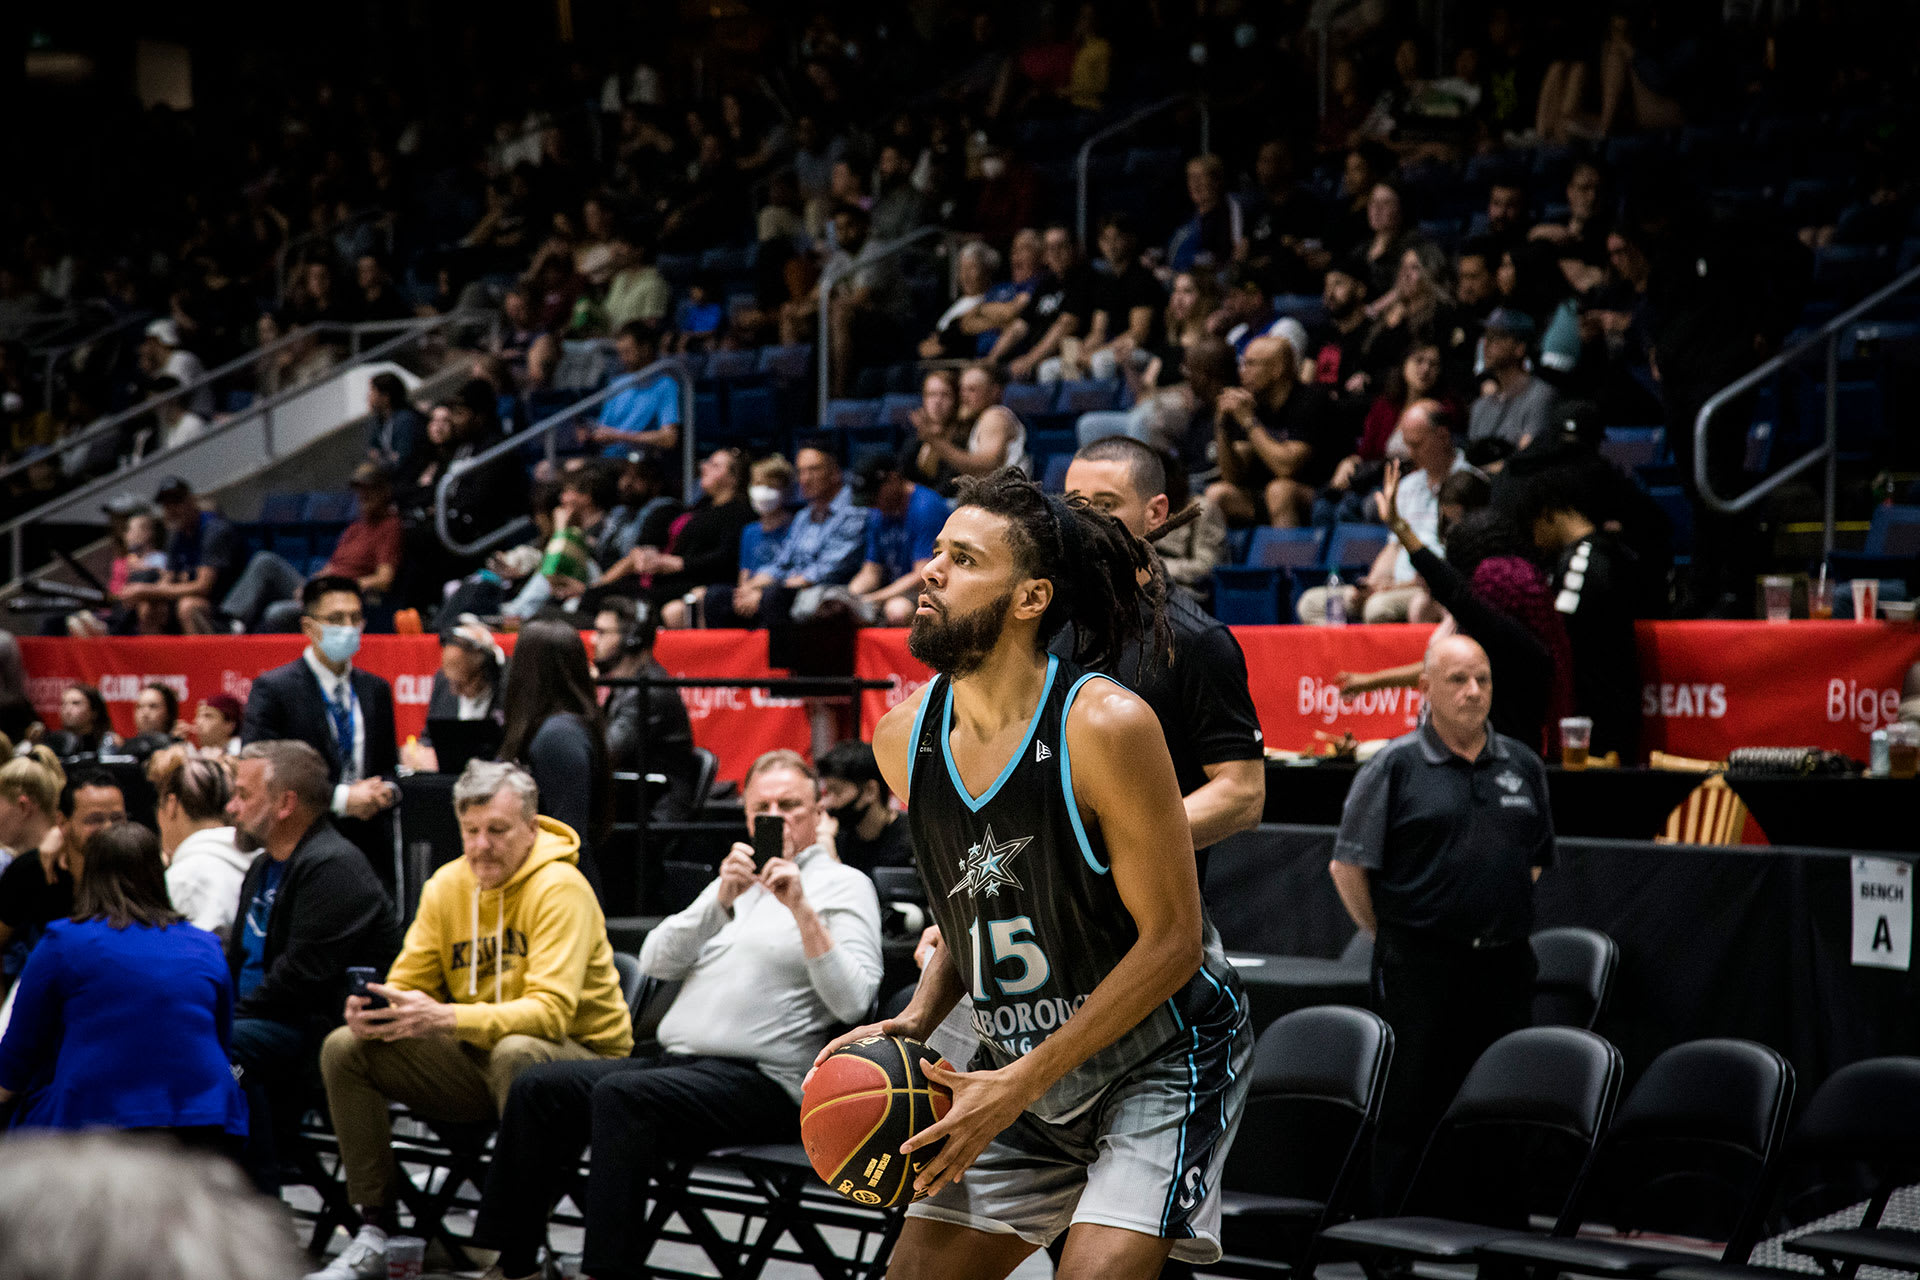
(823,336)
(1833,442)
(266,429)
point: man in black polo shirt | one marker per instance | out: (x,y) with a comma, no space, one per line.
(1200,695)
(1444,833)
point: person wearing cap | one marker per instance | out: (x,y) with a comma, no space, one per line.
(200,549)
(903,521)
(161,355)
(1521,406)
(466,687)
(1338,366)
(264,599)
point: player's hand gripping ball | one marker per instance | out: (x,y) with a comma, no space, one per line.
(859,1106)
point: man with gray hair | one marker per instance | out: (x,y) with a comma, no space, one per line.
(506,964)
(309,906)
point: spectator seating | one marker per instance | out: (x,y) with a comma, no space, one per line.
(1351,548)
(1318,1078)
(1891,551)
(1631,447)
(1515,1140)
(1709,1116)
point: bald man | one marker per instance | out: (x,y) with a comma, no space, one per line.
(1277,438)
(1443,835)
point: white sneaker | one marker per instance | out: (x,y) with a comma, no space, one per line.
(364,1259)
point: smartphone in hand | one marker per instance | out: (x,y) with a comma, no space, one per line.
(358,976)
(769,839)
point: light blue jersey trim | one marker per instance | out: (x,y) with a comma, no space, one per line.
(1066,772)
(1013,761)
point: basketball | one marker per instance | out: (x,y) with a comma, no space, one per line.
(858,1108)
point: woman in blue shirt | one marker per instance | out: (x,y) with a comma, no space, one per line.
(122,1014)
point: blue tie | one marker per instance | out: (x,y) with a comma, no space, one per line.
(342,713)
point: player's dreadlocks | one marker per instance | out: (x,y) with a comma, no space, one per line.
(1095,563)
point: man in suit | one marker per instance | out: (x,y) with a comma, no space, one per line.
(309,908)
(344,714)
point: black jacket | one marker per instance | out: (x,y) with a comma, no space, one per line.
(286,702)
(659,724)
(330,913)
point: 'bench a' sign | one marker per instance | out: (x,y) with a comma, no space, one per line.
(1882,912)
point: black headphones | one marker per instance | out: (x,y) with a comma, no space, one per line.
(640,633)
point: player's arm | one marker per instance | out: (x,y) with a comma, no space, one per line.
(939,988)
(1123,775)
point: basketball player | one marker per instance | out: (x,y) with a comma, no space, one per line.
(1058,861)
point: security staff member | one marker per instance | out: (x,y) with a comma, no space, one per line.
(1443,835)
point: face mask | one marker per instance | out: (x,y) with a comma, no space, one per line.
(848,815)
(339,644)
(764,498)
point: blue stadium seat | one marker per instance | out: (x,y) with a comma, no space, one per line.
(1285,549)
(707,420)
(1089,395)
(236,401)
(750,413)
(1672,499)
(1892,548)
(1307,308)
(1030,400)
(1154,164)
(329,508)
(896,409)
(291,545)
(283,508)
(1860,414)
(1631,447)
(1845,270)
(1353,547)
(787,364)
(1238,541)
(842,414)
(1053,477)
(1244,597)
(724,365)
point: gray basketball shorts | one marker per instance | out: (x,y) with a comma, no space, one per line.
(1147,1156)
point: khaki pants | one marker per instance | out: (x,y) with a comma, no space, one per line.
(439,1077)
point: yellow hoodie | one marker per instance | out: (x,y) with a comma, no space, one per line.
(557,979)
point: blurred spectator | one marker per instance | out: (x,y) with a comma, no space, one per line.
(903,522)
(644,511)
(200,549)
(1217,232)
(993,436)
(703,545)
(1062,307)
(466,687)
(897,206)
(163,355)
(1387,238)
(1507,221)
(376,299)
(1127,304)
(867,305)
(579,551)
(175,424)
(636,292)
(1278,441)
(121,1017)
(265,598)
(1595,581)
(996,322)
(645,415)
(85,727)
(822,549)
(30,786)
(1520,406)
(307,910)
(698,320)
(1338,365)
(141,561)
(1417,309)
(937,417)
(156,719)
(554,727)
(953,338)
(1165,400)
(647,726)
(216,724)
(323,700)
(36,889)
(868,831)
(1391,591)
(204,865)
(102,1206)
(1580,240)
(394,426)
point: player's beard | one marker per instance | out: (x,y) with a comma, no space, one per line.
(956,645)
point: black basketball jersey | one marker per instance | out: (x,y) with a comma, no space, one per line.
(1022,893)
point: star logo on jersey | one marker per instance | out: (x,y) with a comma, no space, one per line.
(986,866)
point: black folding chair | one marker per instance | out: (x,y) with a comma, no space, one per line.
(1690,1154)
(1517,1138)
(1574,976)
(1859,1137)
(1312,1105)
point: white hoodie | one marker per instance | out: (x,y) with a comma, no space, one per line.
(204,880)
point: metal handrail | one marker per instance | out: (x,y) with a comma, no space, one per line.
(1085,157)
(828,279)
(261,409)
(1829,451)
(671,366)
(100,428)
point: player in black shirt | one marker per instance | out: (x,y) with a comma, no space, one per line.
(1047,825)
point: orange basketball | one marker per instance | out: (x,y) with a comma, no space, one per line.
(862,1103)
